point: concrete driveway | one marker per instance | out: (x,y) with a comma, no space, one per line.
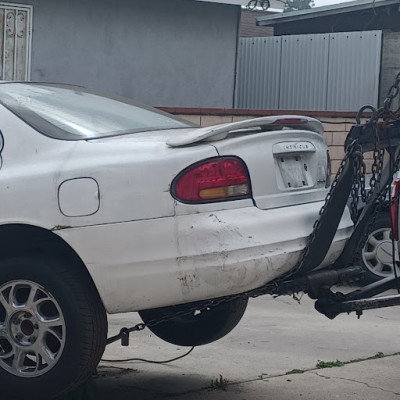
(272,354)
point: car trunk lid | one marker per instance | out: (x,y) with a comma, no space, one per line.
(286,156)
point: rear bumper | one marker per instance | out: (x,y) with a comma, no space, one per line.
(160,262)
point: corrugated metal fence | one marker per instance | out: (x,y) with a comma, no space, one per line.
(332,72)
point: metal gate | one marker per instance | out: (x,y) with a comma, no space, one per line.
(332,72)
(15,41)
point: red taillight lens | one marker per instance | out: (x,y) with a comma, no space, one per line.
(394,211)
(218,179)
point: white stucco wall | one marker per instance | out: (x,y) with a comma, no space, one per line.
(164,53)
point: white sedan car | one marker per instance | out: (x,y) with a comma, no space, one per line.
(109,207)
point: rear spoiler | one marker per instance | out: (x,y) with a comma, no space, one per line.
(219,132)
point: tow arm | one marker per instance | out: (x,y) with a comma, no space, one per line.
(381,133)
(333,303)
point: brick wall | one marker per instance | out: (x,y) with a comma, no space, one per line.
(335,135)
(248,26)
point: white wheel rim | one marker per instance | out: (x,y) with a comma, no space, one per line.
(377,253)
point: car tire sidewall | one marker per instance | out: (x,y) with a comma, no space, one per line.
(68,369)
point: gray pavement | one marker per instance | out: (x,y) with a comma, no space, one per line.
(255,361)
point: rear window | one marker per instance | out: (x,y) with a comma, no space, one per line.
(74,113)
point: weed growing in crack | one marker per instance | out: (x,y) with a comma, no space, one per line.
(337,363)
(295,371)
(329,364)
(220,383)
(374,357)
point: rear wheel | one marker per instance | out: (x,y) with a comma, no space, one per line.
(53,327)
(198,328)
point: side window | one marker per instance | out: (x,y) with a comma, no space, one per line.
(15,42)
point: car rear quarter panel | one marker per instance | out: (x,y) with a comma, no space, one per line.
(132,177)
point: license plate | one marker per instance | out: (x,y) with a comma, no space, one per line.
(293,171)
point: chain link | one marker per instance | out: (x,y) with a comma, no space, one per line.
(392,94)
(363,190)
(358,181)
(253,4)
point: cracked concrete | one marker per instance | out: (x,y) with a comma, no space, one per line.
(274,337)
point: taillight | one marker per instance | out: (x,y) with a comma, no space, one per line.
(328,169)
(394,210)
(215,179)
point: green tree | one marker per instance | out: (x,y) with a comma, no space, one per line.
(296,5)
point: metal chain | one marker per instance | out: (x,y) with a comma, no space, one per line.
(363,190)
(392,94)
(264,4)
(198,308)
(358,180)
(377,167)
(359,184)
(358,187)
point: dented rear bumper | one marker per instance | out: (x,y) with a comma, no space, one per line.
(160,262)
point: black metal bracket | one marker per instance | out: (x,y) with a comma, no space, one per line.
(316,283)
(389,135)
(332,304)
(358,306)
(123,334)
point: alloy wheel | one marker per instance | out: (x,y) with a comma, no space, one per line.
(32,329)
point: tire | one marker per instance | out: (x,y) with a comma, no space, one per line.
(376,254)
(53,328)
(198,328)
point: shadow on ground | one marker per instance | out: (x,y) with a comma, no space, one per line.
(127,384)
